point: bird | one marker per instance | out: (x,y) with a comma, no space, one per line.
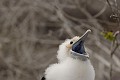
(73,61)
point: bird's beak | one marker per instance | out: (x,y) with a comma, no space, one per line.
(84,36)
(78,47)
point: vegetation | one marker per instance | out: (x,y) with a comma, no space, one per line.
(31,31)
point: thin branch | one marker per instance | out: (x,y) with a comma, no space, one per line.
(66,23)
(110,6)
(101,11)
(114,46)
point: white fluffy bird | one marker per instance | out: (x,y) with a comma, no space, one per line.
(73,62)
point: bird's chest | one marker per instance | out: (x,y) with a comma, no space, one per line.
(70,70)
(74,73)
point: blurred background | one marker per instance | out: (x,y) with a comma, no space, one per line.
(32,30)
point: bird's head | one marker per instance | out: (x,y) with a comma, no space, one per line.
(75,47)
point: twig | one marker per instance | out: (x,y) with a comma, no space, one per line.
(113,52)
(66,23)
(115,16)
(115,12)
(101,11)
(110,6)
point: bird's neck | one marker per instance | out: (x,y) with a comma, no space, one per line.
(63,53)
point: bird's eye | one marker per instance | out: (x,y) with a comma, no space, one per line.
(71,42)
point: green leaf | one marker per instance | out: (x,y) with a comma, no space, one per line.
(108,35)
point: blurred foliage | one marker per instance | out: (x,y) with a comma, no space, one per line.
(108,35)
(31,30)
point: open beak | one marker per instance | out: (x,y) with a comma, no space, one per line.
(78,47)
